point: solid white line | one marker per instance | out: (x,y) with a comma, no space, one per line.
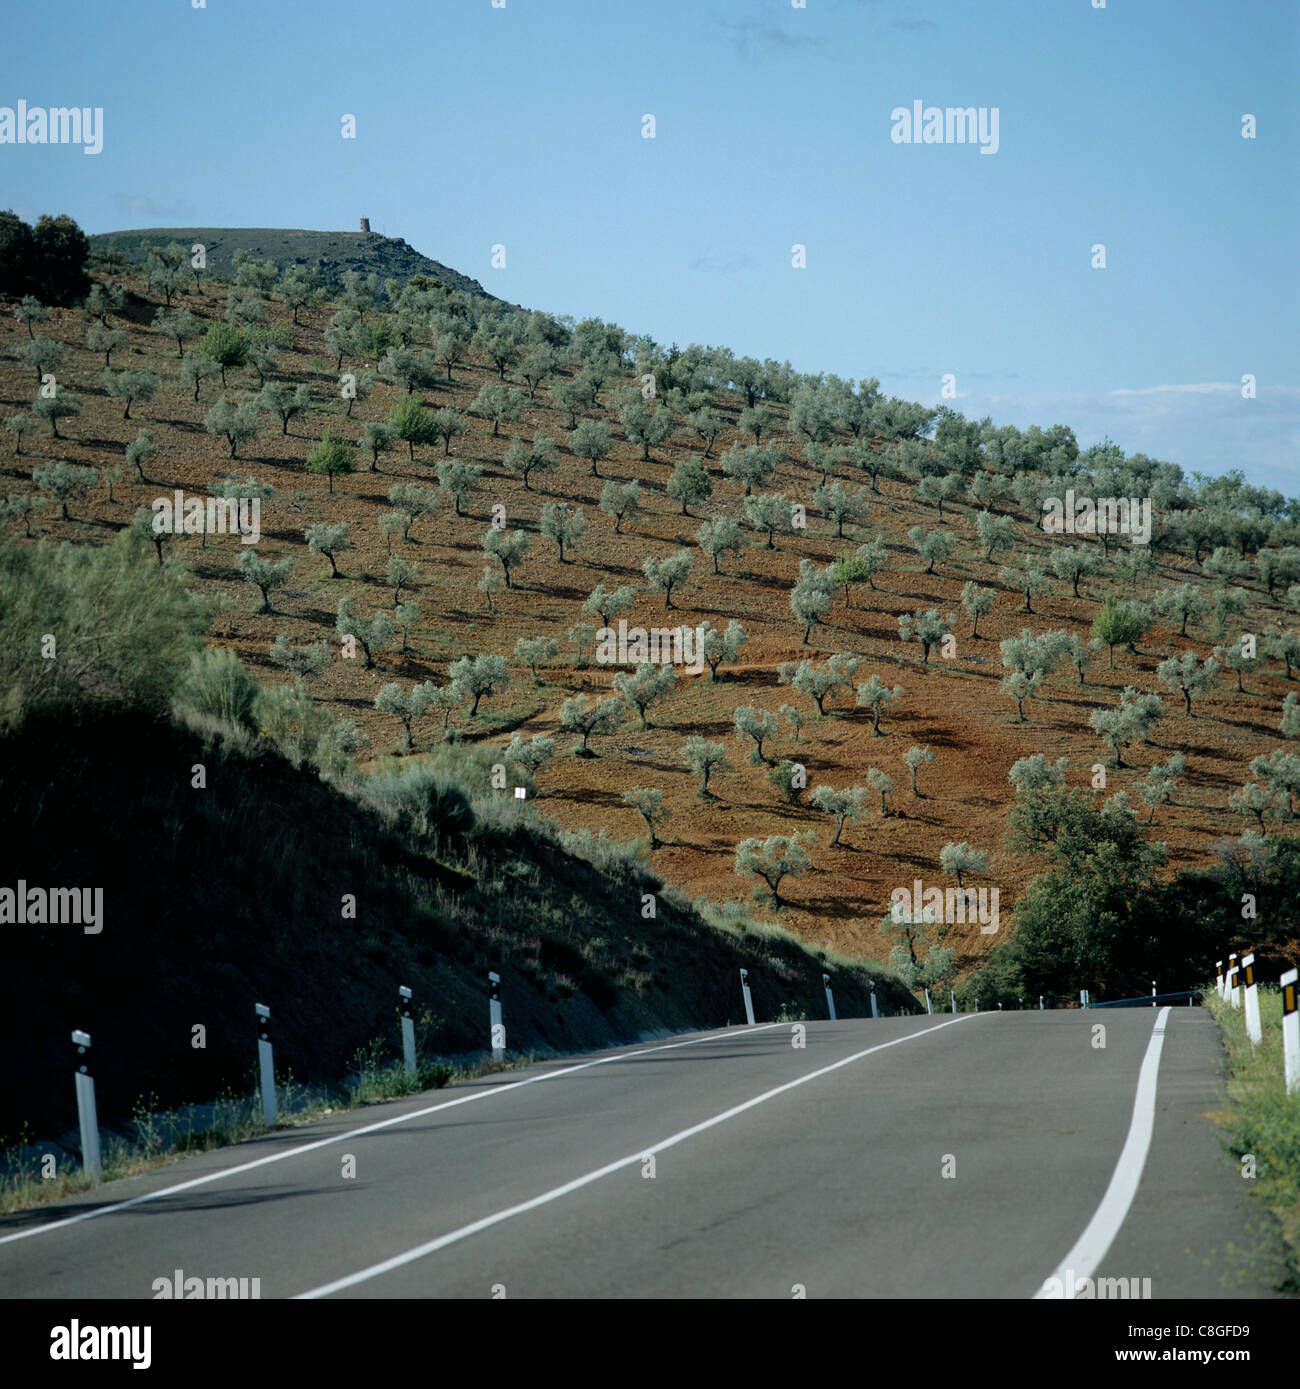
(488,1093)
(1091,1246)
(420,1251)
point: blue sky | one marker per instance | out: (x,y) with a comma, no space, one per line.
(522,126)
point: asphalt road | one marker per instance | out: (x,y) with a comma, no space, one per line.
(899,1157)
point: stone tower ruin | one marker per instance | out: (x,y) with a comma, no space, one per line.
(365,224)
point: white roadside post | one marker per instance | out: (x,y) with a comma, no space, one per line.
(749,1002)
(1232,981)
(830,999)
(875,1009)
(494,1017)
(408,1031)
(1040,1003)
(266,1062)
(1153,993)
(999,1005)
(1253,1030)
(928,1006)
(86,1114)
(952,994)
(1218,977)
(1290,1032)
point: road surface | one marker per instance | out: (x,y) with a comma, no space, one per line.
(975,1156)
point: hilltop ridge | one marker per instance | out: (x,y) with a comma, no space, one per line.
(330,253)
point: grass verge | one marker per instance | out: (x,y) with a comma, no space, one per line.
(164,1137)
(1263,1121)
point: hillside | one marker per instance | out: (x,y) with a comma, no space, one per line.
(951,704)
(218,899)
(330,253)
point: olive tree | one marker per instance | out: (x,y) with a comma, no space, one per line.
(407,706)
(708,424)
(378,436)
(1029,773)
(372,634)
(19,426)
(413,502)
(140,451)
(1030,580)
(926,627)
(717,647)
(668,573)
(458,480)
(758,725)
(703,758)
(507,548)
(525,459)
(877,696)
(690,483)
(581,716)
(649,805)
(532,651)
(961,858)
(649,428)
(608,603)
(933,547)
(329,539)
(64,481)
(477,677)
(288,402)
(265,575)
(839,505)
(1074,563)
(810,599)
(1161,781)
(238,423)
(719,536)
(840,805)
(305,662)
(774,859)
(977,601)
(106,340)
(751,465)
(1188,675)
(770,512)
(647,686)
(563,524)
(591,440)
(500,404)
(61,405)
(819,682)
(917,757)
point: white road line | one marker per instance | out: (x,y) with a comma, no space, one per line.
(1090,1248)
(420,1251)
(488,1093)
